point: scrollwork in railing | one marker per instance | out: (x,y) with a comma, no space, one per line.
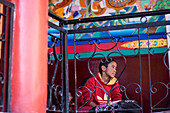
(137,90)
(50,62)
(52,87)
(56,57)
(92,72)
(154,90)
(53,90)
(117,40)
(79,94)
(1,78)
(54,40)
(96,42)
(107,59)
(152,50)
(77,55)
(122,89)
(165,58)
(135,50)
(55,95)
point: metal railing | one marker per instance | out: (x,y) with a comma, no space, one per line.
(58,98)
(6,40)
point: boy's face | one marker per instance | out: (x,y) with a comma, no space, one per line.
(111,69)
(70,97)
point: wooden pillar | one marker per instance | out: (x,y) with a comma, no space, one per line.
(29,57)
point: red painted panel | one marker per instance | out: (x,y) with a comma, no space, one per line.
(121,46)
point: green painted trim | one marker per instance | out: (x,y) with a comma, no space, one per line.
(124,52)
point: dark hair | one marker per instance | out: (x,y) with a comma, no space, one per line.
(105,62)
(70,92)
(84,81)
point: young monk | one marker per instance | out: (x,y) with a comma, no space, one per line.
(106,77)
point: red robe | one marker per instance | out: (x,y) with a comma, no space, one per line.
(99,96)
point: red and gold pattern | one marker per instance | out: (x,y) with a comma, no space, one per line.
(119,4)
(100,11)
(144,43)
